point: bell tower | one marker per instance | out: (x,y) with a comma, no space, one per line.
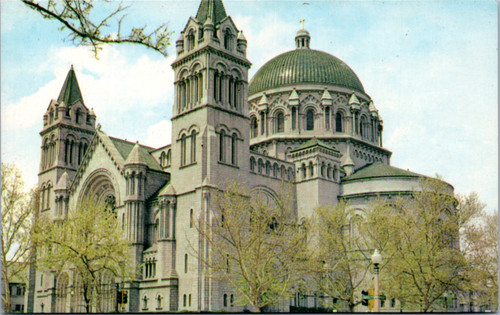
(210,125)
(68,127)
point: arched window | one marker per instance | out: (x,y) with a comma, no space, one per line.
(225,300)
(294,118)
(268,168)
(222,147)
(303,171)
(77,116)
(228,40)
(230,90)
(163,158)
(155,231)
(262,123)
(310,120)
(338,122)
(275,170)
(252,164)
(261,166)
(280,122)
(71,144)
(255,127)
(311,169)
(231,300)
(356,124)
(186,263)
(190,40)
(193,146)
(283,171)
(80,152)
(51,116)
(184,300)
(327,118)
(290,174)
(191,218)
(362,129)
(183,150)
(234,148)
(323,169)
(216,87)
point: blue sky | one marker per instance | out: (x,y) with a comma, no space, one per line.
(430,67)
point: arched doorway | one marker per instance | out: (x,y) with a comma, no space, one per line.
(62,293)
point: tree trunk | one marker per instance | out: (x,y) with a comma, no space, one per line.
(86,297)
(6,298)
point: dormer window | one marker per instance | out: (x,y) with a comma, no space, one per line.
(228,40)
(190,40)
(77,116)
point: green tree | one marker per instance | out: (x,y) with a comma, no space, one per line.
(340,254)
(93,27)
(254,244)
(18,207)
(92,242)
(479,244)
(422,241)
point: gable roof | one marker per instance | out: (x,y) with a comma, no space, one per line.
(213,9)
(70,91)
(314,142)
(141,154)
(379,169)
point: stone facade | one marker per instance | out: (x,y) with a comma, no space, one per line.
(322,133)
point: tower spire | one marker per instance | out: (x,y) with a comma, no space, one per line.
(70,92)
(213,9)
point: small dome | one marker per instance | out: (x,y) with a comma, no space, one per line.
(302,32)
(304,66)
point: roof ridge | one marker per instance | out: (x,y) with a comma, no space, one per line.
(131,142)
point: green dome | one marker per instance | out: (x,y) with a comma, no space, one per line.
(304,66)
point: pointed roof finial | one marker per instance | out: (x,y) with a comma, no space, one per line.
(213,9)
(70,92)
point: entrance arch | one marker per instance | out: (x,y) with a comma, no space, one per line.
(102,186)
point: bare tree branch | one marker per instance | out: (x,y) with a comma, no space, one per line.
(85,32)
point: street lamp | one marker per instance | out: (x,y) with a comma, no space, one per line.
(376,260)
(445,295)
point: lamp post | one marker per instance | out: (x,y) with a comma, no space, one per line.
(445,295)
(376,260)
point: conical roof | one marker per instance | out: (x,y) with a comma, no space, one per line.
(70,92)
(213,9)
(136,156)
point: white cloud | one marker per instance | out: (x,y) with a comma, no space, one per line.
(111,84)
(159,134)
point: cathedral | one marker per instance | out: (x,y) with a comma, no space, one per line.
(304,118)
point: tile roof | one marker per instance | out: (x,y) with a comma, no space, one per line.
(379,169)
(213,9)
(125,148)
(70,92)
